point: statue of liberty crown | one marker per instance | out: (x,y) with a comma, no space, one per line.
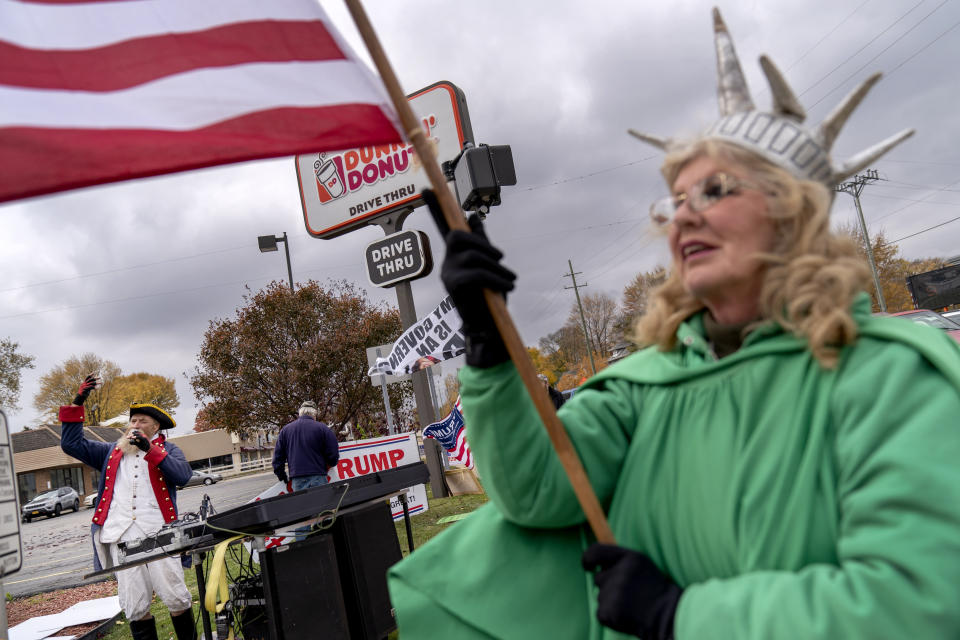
(780,136)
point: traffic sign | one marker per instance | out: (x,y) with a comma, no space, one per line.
(11,554)
(398,257)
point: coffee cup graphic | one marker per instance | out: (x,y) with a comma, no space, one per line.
(329,183)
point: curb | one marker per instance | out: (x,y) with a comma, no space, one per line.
(30,594)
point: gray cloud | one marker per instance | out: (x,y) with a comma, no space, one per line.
(560,83)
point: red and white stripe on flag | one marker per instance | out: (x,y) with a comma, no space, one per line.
(94,92)
(461,451)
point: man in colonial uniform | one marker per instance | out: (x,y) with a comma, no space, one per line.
(137,495)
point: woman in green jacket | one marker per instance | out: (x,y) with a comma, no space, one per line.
(776,463)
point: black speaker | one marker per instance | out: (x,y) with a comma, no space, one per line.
(301,586)
(367,545)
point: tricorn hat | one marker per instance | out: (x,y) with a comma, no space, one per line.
(779,134)
(165,419)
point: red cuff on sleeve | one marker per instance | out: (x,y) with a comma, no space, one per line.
(155,455)
(71,413)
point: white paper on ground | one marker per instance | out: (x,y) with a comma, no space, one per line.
(87,611)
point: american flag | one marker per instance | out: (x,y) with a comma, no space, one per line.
(452,435)
(94,92)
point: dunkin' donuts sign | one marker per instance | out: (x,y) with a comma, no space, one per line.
(341,191)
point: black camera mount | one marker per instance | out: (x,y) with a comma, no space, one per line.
(478,172)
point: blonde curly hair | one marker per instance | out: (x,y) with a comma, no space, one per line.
(810,278)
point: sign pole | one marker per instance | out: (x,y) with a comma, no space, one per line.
(3,611)
(391,223)
(498,307)
(433,394)
(386,400)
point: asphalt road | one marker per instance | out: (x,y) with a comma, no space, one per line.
(57,552)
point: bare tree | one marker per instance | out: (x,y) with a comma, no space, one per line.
(12,364)
(636,298)
(599,313)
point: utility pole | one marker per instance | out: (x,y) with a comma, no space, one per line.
(854,187)
(586,335)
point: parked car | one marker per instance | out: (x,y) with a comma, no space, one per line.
(932,319)
(952,315)
(89,501)
(202,477)
(52,503)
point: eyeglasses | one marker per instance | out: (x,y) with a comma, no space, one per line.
(700,197)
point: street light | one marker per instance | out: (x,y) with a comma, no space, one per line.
(269,243)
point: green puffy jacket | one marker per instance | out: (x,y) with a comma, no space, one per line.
(789,501)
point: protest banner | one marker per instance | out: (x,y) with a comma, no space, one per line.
(436,337)
(361,457)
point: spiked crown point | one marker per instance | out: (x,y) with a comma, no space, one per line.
(732,91)
(660,143)
(779,135)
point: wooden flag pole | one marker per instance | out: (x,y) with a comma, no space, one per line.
(498,308)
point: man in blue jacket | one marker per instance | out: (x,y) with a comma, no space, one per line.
(308,447)
(137,495)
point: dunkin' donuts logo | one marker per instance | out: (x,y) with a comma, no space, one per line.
(342,174)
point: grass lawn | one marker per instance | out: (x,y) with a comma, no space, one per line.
(424,526)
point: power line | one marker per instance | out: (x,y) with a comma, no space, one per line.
(914,200)
(568,231)
(588,175)
(855,53)
(936,226)
(164,293)
(941,164)
(924,199)
(545,304)
(882,51)
(612,266)
(829,33)
(627,237)
(918,186)
(129,298)
(924,48)
(119,269)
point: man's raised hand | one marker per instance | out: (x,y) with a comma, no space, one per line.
(91,382)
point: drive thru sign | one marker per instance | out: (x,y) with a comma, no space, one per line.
(398,257)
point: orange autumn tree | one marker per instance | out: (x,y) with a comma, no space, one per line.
(892,269)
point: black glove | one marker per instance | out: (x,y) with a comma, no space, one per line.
(472,264)
(140,441)
(89,383)
(635,596)
(282,476)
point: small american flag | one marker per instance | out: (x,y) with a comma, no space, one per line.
(452,435)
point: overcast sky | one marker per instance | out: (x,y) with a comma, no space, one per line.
(134,272)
